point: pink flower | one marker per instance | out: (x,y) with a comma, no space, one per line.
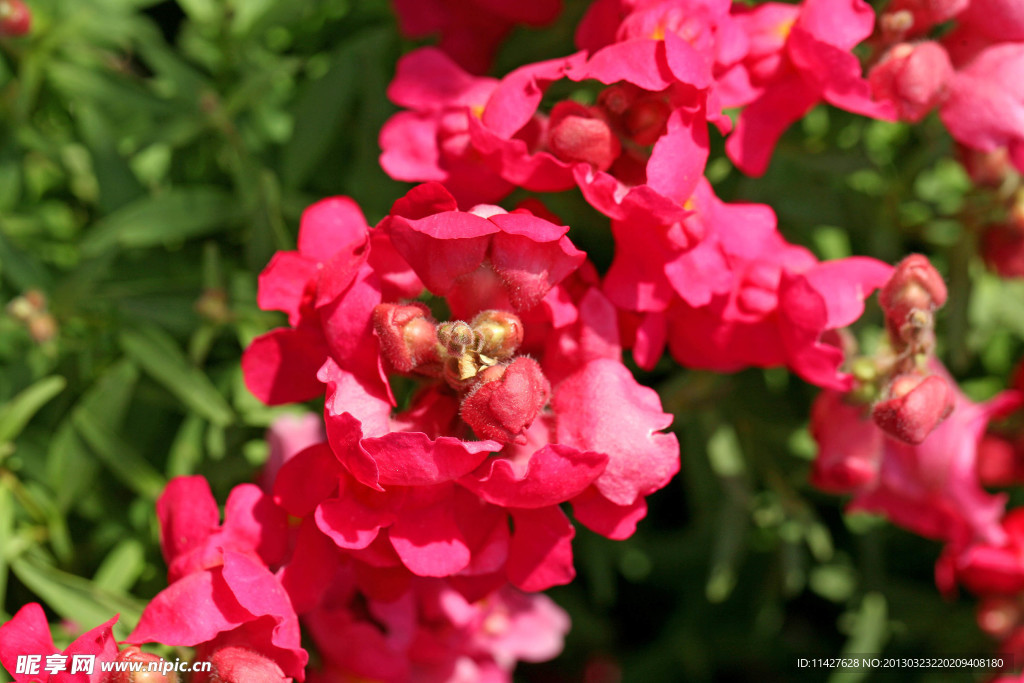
(28,633)
(743,297)
(430,631)
(799,56)
(931,488)
(222,593)
(430,140)
(985,106)
(531,364)
(328,288)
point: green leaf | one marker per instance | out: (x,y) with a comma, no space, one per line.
(121,459)
(6,536)
(70,467)
(121,567)
(76,598)
(176,215)
(16,413)
(187,449)
(161,358)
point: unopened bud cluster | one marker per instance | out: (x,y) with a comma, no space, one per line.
(501,393)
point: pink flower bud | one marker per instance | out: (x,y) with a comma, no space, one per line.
(15,18)
(645,121)
(916,406)
(576,133)
(1002,245)
(506,400)
(915,286)
(240,665)
(408,337)
(913,77)
(133,653)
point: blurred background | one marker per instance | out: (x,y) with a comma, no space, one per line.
(154,155)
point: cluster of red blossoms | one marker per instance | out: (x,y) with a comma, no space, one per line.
(470,357)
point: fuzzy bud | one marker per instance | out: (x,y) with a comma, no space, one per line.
(986,169)
(408,337)
(506,400)
(240,665)
(455,337)
(576,133)
(915,407)
(500,332)
(910,296)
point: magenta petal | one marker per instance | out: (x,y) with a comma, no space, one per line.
(598,514)
(311,569)
(98,642)
(514,101)
(192,610)
(429,542)
(258,591)
(329,226)
(553,475)
(829,296)
(602,408)
(281,365)
(414,459)
(283,283)
(348,523)
(307,478)
(409,143)
(27,633)
(763,121)
(353,410)
(253,521)
(428,79)
(188,515)
(540,555)
(530,268)
(651,337)
(678,158)
(639,61)
(687,64)
(439,264)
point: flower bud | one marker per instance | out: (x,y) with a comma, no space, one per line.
(1002,246)
(645,121)
(132,654)
(915,407)
(15,18)
(455,337)
(913,77)
(408,337)
(910,296)
(576,133)
(500,332)
(506,400)
(240,665)
(924,14)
